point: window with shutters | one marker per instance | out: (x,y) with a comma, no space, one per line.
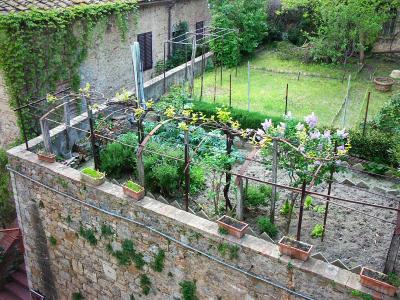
(145,41)
(199,31)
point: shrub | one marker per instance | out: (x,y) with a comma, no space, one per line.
(188,290)
(317,231)
(158,264)
(6,207)
(388,118)
(265,225)
(116,158)
(145,284)
(258,195)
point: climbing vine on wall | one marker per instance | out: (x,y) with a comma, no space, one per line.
(40,48)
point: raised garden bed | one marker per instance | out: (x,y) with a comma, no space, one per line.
(235,228)
(377,281)
(294,248)
(133,190)
(47,157)
(384,84)
(92,176)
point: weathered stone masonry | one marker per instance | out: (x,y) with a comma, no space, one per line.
(53,202)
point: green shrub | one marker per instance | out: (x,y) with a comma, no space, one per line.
(308,202)
(158,264)
(188,290)
(117,159)
(317,231)
(145,284)
(375,168)
(88,234)
(265,225)
(6,207)
(258,195)
(394,279)
(286,208)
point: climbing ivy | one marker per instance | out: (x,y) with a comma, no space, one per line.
(41,48)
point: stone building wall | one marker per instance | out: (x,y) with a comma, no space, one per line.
(8,120)
(53,204)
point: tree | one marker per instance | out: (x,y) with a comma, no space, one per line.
(346,26)
(248,17)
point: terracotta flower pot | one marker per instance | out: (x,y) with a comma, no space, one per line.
(294,248)
(377,281)
(234,227)
(384,84)
(131,193)
(47,157)
(93,181)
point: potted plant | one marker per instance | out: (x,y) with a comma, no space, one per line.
(234,227)
(45,156)
(294,248)
(377,281)
(384,84)
(133,190)
(93,176)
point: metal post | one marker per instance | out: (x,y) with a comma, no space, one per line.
(286,98)
(164,69)
(303,197)
(230,90)
(95,150)
(187,171)
(248,85)
(274,179)
(366,113)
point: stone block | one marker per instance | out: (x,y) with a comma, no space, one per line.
(266,237)
(358,167)
(363,185)
(109,272)
(319,256)
(340,264)
(348,182)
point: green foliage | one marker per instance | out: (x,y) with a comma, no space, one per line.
(38,38)
(286,208)
(248,17)
(388,118)
(158,264)
(319,209)
(288,51)
(317,231)
(258,195)
(361,295)
(145,284)
(308,202)
(92,173)
(77,296)
(53,241)
(128,255)
(234,251)
(6,207)
(375,168)
(106,230)
(265,225)
(133,186)
(188,290)
(88,234)
(394,279)
(118,159)
(376,146)
(223,230)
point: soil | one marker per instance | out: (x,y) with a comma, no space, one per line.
(233,223)
(376,275)
(296,244)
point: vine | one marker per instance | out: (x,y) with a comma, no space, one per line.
(41,48)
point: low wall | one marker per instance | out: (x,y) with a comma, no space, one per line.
(54,206)
(154,88)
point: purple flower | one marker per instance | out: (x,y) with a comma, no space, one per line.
(281,128)
(311,120)
(315,134)
(299,127)
(340,148)
(260,132)
(342,133)
(266,125)
(327,134)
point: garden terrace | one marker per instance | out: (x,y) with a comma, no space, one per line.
(239,181)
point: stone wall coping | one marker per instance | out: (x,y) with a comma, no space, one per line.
(343,278)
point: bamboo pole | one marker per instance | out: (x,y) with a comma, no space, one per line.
(303,197)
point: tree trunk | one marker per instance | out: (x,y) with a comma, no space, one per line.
(362,49)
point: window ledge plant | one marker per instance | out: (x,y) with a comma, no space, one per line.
(93,176)
(46,157)
(133,190)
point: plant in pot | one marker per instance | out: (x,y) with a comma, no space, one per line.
(46,156)
(383,84)
(294,248)
(234,227)
(377,281)
(93,176)
(133,190)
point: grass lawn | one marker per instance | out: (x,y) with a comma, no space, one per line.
(308,94)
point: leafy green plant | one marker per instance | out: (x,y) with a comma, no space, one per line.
(53,241)
(319,209)
(394,279)
(133,186)
(258,195)
(223,230)
(265,225)
(361,295)
(106,230)
(6,207)
(88,234)
(158,264)
(375,168)
(128,255)
(93,173)
(286,208)
(188,290)
(222,248)
(234,251)
(145,284)
(308,202)
(317,231)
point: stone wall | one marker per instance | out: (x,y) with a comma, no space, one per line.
(8,120)
(53,204)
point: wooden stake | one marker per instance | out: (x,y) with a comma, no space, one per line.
(303,197)
(327,203)
(240,204)
(366,113)
(230,90)
(286,98)
(274,179)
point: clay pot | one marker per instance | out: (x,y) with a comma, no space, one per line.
(384,84)
(294,248)
(47,157)
(93,181)
(369,280)
(132,194)
(235,228)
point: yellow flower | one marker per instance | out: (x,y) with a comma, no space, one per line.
(235,125)
(170,112)
(186,112)
(51,99)
(139,112)
(183,126)
(150,103)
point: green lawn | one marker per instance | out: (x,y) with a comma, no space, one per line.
(309,94)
